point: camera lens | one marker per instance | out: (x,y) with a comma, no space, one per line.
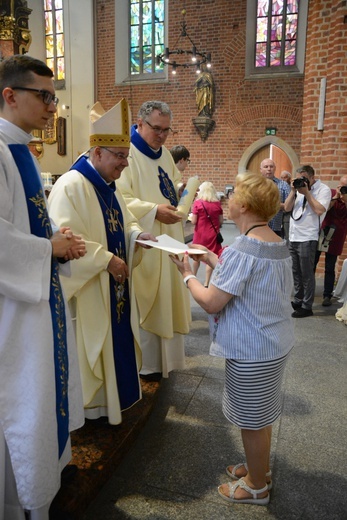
(299,183)
(343,190)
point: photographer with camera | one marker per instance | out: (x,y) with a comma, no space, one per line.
(332,238)
(308,202)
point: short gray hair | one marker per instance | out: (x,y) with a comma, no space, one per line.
(147,108)
(306,168)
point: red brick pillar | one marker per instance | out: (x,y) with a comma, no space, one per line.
(326,57)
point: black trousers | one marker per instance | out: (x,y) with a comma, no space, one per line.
(329,273)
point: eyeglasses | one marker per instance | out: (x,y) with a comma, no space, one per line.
(187,160)
(119,155)
(47,97)
(159,130)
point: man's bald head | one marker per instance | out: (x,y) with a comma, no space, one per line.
(268,168)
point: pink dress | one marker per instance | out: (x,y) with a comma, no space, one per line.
(204,233)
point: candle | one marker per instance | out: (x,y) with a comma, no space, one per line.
(188,196)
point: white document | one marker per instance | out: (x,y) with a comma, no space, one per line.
(171,245)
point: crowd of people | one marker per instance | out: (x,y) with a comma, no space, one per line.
(86,311)
(312,220)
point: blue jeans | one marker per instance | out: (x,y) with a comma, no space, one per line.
(303,257)
(329,273)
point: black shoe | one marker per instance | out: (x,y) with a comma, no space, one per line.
(302,313)
(155,376)
(55,513)
(68,472)
(296,305)
(326,301)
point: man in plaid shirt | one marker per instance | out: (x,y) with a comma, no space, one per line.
(267,169)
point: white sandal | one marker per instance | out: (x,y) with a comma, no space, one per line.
(232,474)
(254,492)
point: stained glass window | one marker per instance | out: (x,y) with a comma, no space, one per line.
(276,33)
(146,35)
(54,35)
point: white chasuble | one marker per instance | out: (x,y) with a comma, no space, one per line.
(74,203)
(27,396)
(162,297)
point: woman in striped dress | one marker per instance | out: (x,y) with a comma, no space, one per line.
(248,302)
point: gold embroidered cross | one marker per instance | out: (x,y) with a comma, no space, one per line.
(112,220)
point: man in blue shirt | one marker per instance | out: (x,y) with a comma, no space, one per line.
(268,169)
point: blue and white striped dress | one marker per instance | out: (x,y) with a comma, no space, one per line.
(254,331)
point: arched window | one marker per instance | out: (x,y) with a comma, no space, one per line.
(276,35)
(54,40)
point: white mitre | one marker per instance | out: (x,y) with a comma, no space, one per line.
(110,128)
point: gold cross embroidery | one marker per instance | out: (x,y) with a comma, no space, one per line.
(40,204)
(112,220)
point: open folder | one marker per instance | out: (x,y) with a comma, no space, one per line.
(171,245)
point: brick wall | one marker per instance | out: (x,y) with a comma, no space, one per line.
(243,108)
(326,57)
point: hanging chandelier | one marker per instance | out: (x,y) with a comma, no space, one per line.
(187,57)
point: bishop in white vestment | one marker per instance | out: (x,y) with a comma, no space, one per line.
(101,301)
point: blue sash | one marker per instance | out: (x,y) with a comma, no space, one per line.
(40,226)
(122,336)
(166,185)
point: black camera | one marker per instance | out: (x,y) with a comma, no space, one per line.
(343,190)
(301,182)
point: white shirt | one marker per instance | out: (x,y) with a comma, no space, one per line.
(308,225)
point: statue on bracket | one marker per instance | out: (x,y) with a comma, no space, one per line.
(204,94)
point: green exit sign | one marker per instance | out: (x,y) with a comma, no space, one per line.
(270,131)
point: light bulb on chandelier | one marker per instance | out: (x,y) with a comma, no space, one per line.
(197,58)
